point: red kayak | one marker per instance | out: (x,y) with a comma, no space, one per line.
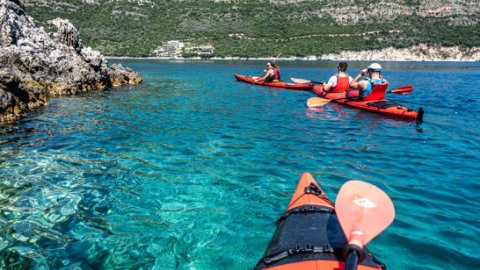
(309,235)
(279,84)
(374,102)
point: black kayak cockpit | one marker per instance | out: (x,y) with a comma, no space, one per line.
(307,232)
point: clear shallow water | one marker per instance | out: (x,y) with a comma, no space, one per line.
(191,169)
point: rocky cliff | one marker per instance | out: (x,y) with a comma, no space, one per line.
(35,65)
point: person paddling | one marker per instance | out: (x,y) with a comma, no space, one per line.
(339,82)
(272,73)
(365,86)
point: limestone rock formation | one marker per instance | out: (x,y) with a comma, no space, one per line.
(421,52)
(34,66)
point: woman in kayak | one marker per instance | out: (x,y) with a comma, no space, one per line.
(272,73)
(339,82)
(365,86)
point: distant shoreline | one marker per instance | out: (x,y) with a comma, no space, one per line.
(417,53)
(306,59)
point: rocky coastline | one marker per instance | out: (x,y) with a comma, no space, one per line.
(421,53)
(36,65)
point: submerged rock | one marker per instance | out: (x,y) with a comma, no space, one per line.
(35,66)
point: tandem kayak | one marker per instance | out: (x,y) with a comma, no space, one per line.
(309,235)
(279,84)
(381,106)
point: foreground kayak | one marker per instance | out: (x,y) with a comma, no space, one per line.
(309,235)
(279,84)
(382,106)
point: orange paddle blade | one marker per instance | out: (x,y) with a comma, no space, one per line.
(364,211)
(317,102)
(402,90)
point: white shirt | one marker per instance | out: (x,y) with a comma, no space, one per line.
(333,80)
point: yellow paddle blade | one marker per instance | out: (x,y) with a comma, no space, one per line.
(317,102)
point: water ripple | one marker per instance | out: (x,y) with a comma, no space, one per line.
(191,169)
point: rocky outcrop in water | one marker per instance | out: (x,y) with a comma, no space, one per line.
(35,65)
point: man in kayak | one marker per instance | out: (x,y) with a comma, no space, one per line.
(339,82)
(365,86)
(272,73)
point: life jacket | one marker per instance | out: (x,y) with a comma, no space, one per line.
(276,74)
(343,84)
(379,88)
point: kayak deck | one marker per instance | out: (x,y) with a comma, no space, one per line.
(308,234)
(279,84)
(382,106)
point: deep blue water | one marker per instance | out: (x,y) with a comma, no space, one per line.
(191,169)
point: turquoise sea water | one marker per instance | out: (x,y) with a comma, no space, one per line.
(191,169)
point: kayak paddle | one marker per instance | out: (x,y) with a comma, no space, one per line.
(363,211)
(402,90)
(318,101)
(299,80)
(275,59)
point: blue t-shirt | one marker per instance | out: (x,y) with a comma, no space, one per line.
(370,84)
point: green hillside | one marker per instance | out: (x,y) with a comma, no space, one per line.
(258,28)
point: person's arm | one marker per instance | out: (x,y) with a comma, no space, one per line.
(269,73)
(383,79)
(355,84)
(327,86)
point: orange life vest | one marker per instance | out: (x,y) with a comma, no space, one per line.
(343,84)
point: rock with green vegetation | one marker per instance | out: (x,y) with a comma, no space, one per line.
(35,64)
(266,28)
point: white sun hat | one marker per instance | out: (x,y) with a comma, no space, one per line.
(375,67)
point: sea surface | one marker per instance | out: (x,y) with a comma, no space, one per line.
(190,169)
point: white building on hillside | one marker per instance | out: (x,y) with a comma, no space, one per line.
(170,48)
(200,50)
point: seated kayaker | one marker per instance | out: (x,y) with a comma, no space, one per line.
(339,82)
(365,86)
(271,74)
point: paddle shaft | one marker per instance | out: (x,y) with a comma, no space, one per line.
(388,92)
(352,261)
(398,93)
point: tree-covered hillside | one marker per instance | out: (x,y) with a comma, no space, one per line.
(265,27)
